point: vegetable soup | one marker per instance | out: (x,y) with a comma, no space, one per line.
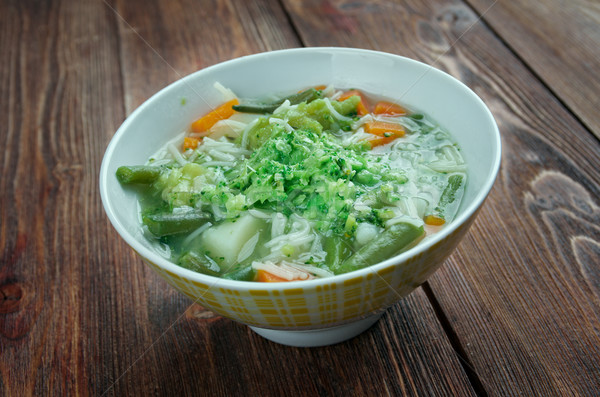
(322,182)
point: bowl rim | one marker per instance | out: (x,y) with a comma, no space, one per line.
(212,281)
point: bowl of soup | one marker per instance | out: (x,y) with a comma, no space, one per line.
(301,192)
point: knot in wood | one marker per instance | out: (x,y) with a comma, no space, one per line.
(10,297)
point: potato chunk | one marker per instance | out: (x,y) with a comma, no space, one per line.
(225,241)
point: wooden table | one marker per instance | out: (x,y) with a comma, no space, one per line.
(514,311)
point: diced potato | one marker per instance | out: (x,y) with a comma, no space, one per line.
(227,239)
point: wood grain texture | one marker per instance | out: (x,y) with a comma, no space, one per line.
(59,105)
(406,353)
(521,292)
(559,41)
(515,310)
(170,40)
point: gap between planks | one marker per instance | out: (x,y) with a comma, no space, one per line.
(454,340)
(483,20)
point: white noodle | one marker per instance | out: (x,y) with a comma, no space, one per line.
(219,164)
(447,166)
(329,91)
(246,132)
(278,224)
(303,223)
(176,154)
(196,233)
(248,248)
(228,95)
(291,270)
(284,107)
(282,123)
(218,155)
(334,112)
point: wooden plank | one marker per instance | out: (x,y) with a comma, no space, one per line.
(521,293)
(171,40)
(405,353)
(60,102)
(559,40)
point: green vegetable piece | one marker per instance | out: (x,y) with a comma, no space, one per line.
(304,96)
(200,263)
(165,224)
(143,174)
(392,241)
(257,109)
(337,249)
(245,273)
(262,132)
(347,106)
(320,112)
(449,195)
(307,124)
(367,178)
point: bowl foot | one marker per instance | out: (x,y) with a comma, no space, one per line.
(318,337)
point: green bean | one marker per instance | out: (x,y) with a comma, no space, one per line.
(392,241)
(144,174)
(449,195)
(200,263)
(304,96)
(242,273)
(258,109)
(337,250)
(165,224)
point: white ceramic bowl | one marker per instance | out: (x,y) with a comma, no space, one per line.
(322,311)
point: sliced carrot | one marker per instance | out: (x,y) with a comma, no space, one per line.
(392,109)
(433,220)
(363,106)
(383,129)
(190,143)
(383,133)
(376,141)
(266,277)
(223,112)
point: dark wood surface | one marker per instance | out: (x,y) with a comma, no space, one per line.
(514,311)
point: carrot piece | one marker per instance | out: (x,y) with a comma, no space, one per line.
(433,220)
(190,143)
(389,108)
(376,141)
(222,112)
(383,129)
(266,277)
(383,133)
(363,106)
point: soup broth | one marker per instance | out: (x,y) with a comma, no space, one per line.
(319,183)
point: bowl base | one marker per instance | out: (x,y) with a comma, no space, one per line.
(318,337)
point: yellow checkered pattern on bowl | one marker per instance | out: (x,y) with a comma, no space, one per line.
(320,306)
